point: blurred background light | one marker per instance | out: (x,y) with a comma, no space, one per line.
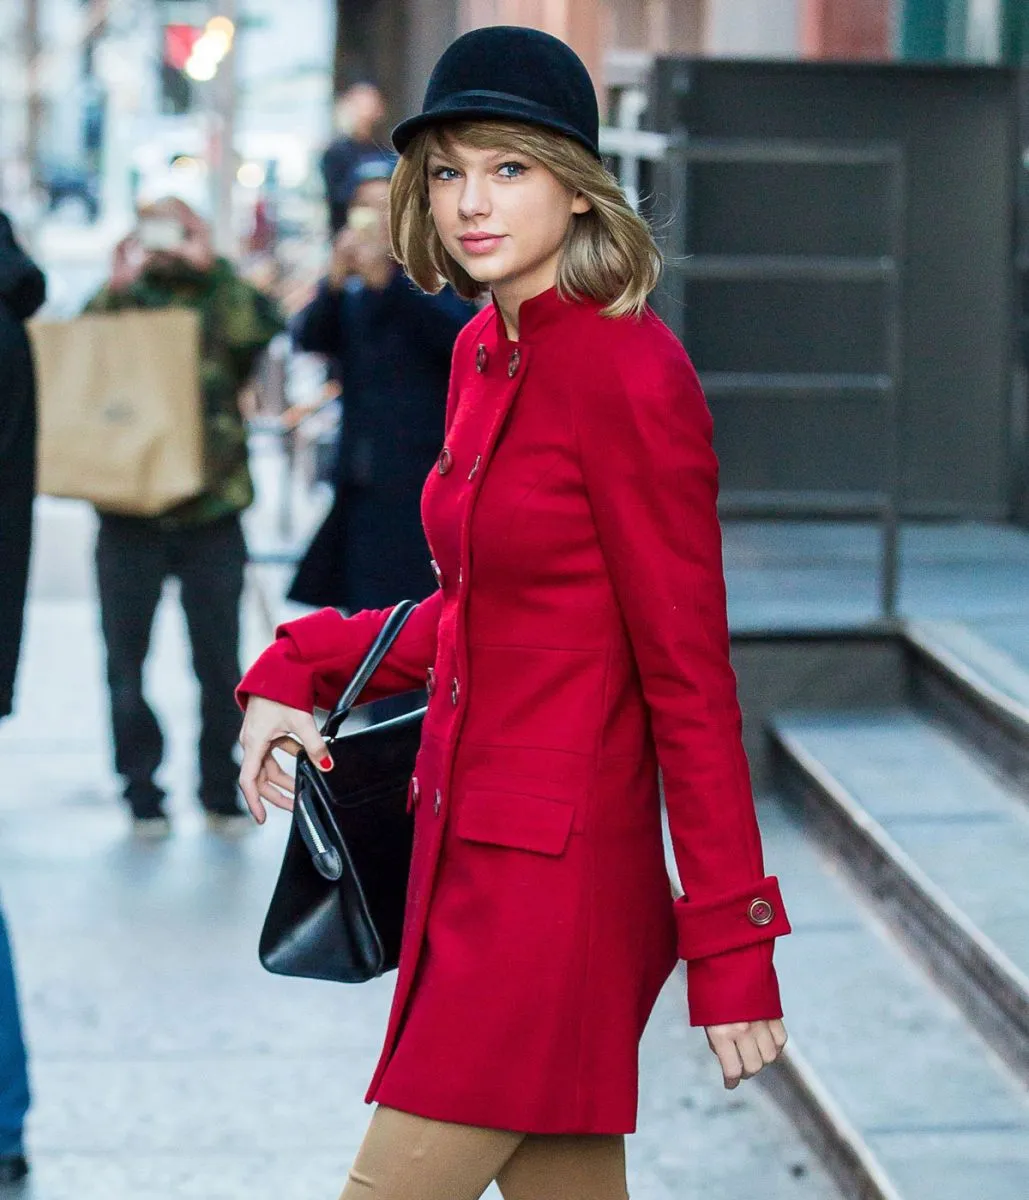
(251,174)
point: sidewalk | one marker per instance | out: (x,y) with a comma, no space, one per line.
(166,1064)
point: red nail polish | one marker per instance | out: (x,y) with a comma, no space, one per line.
(326,763)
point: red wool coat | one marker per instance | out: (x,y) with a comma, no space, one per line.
(577,642)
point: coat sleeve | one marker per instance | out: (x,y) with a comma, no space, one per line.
(313,658)
(644,435)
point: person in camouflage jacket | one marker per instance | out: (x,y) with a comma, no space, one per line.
(168,261)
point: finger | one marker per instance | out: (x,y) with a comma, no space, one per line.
(313,743)
(272,794)
(284,780)
(271,791)
(289,744)
(750,1054)
(765,1042)
(778,1032)
(248,785)
(729,1060)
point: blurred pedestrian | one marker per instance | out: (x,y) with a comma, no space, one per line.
(360,111)
(393,343)
(168,261)
(22,291)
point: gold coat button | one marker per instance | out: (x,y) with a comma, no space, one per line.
(446,460)
(416,791)
(437,802)
(430,681)
(512,365)
(481,358)
(760,912)
(437,572)
(455,691)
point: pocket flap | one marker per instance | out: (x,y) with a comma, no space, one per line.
(518,821)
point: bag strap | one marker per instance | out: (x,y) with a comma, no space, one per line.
(371,662)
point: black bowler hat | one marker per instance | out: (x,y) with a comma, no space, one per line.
(509,73)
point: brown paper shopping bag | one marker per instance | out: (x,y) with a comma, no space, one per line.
(120,415)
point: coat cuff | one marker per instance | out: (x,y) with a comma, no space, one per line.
(285,672)
(278,675)
(739,985)
(754,913)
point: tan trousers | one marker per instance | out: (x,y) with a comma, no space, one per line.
(404,1157)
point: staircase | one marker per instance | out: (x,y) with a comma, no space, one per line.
(900,829)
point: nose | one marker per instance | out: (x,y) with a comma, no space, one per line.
(474,198)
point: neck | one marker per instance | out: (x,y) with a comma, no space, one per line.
(511,295)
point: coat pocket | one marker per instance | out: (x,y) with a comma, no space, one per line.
(517,821)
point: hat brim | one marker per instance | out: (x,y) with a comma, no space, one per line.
(499,107)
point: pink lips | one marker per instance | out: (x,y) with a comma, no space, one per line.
(481,243)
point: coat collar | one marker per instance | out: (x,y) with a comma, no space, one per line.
(538,317)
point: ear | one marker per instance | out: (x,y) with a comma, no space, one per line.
(581,203)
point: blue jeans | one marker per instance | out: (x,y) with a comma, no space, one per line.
(14,1079)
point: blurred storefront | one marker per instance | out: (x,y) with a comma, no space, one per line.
(398,42)
(99,100)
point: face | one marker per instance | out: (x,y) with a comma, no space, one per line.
(502,216)
(360,109)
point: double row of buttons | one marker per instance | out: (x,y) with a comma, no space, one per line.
(438,574)
(416,792)
(482,361)
(431,681)
(445,463)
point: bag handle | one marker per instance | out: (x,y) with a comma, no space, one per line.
(371,662)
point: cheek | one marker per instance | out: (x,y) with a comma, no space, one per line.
(524,213)
(543,221)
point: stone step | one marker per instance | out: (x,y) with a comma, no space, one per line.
(937,839)
(885,1076)
(975,676)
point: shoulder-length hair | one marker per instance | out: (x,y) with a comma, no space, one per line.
(609,254)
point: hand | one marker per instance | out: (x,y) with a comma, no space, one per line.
(745,1047)
(372,260)
(127,265)
(270,726)
(196,250)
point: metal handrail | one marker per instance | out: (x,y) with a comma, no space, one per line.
(633,146)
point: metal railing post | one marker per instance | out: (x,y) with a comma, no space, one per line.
(894,414)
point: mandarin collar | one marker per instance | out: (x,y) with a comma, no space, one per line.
(537,316)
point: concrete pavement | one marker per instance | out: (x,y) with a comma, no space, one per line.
(165,1062)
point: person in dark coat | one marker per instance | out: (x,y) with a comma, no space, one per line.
(22,291)
(394,345)
(359,111)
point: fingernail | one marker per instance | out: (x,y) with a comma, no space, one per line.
(326,763)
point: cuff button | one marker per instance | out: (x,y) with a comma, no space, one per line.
(760,912)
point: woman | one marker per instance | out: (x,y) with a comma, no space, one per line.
(576,641)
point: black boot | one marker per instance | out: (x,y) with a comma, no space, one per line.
(13,1167)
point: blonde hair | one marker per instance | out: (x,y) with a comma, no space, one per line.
(609,253)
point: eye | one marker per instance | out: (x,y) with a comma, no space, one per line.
(511,170)
(443,173)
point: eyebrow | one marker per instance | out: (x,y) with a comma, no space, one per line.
(454,156)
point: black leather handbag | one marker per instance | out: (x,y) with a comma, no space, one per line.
(338,907)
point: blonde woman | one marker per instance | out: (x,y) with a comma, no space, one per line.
(576,643)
